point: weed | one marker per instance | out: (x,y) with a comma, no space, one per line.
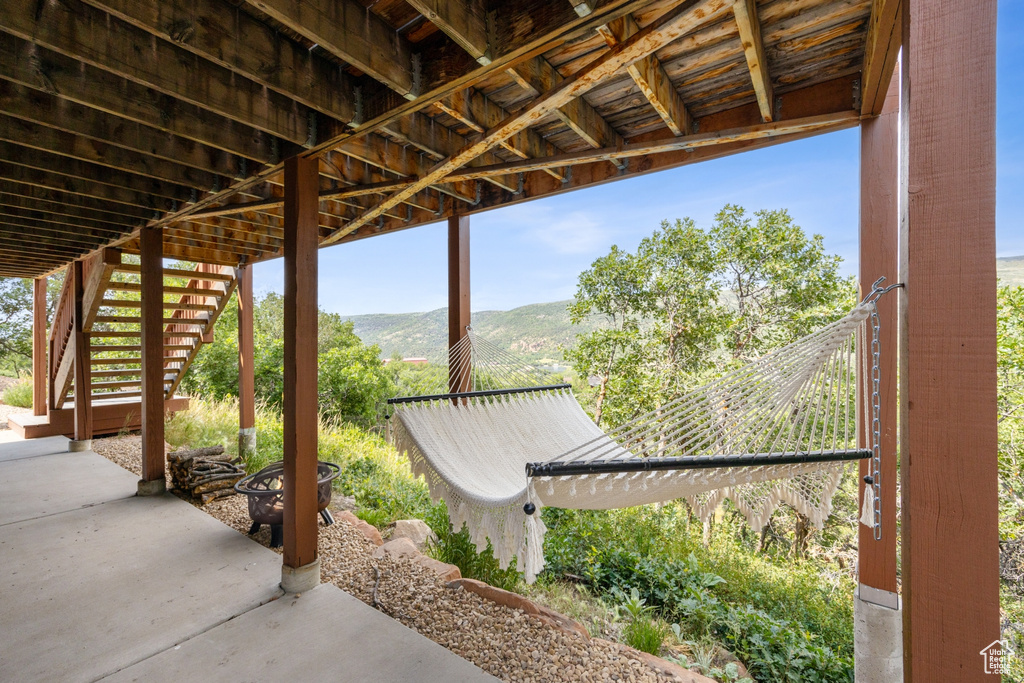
(19,394)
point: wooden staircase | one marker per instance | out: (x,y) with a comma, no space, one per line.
(193,300)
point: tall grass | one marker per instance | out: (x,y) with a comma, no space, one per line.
(19,395)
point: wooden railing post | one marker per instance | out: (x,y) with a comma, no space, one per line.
(151,266)
(459,370)
(82,363)
(301,569)
(39,343)
(246,359)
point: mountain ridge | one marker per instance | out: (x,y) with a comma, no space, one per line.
(536,332)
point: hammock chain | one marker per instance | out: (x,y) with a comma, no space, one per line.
(876,423)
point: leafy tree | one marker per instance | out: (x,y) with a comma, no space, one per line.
(352,379)
(16,296)
(689,302)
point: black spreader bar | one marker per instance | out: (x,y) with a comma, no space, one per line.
(476,394)
(688,462)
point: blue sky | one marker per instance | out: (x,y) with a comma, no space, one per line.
(533,252)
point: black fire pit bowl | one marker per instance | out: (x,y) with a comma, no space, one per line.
(265,493)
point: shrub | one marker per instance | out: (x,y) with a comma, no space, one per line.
(19,394)
(457,548)
(642,632)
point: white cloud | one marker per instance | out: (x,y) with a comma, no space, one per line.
(575,232)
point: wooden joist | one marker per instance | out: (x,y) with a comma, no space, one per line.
(880,54)
(649,75)
(91,36)
(464,21)
(753,49)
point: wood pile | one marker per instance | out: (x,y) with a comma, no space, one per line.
(205,473)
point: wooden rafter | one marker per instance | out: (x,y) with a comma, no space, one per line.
(649,75)
(464,21)
(639,45)
(753,49)
(880,54)
(91,36)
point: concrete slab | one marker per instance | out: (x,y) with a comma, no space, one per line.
(17,448)
(322,635)
(89,592)
(39,486)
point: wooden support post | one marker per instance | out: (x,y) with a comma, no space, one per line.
(301,184)
(39,343)
(151,248)
(83,362)
(879,257)
(948,450)
(459,364)
(246,359)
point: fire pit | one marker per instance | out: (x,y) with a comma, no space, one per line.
(265,492)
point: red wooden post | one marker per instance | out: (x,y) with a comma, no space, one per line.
(459,370)
(246,371)
(151,246)
(83,363)
(39,343)
(301,226)
(879,257)
(948,448)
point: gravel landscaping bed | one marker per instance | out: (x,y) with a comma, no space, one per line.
(6,410)
(502,641)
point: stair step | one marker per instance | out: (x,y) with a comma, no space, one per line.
(130,372)
(176,272)
(135,320)
(132,334)
(168,289)
(168,305)
(116,361)
(116,385)
(101,348)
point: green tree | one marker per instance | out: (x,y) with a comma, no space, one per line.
(352,379)
(690,302)
(16,296)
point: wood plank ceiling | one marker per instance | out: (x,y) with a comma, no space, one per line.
(118,115)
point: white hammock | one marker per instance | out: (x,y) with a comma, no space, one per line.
(775,431)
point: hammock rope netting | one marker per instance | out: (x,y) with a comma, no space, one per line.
(777,430)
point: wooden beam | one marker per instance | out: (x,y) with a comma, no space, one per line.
(649,75)
(36,198)
(91,36)
(949,440)
(459,369)
(151,253)
(233,39)
(753,49)
(39,342)
(246,360)
(879,257)
(301,408)
(351,32)
(641,44)
(50,72)
(464,21)
(539,75)
(880,54)
(85,171)
(82,364)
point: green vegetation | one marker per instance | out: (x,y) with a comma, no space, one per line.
(19,394)
(16,321)
(688,304)
(353,381)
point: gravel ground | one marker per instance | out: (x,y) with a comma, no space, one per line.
(6,410)
(501,641)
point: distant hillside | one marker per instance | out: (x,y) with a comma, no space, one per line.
(1010,270)
(535,332)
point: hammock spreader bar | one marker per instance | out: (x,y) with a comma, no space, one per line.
(476,394)
(689,462)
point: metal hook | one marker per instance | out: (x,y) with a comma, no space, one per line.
(877,290)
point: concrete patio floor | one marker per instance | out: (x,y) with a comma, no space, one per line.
(97,584)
